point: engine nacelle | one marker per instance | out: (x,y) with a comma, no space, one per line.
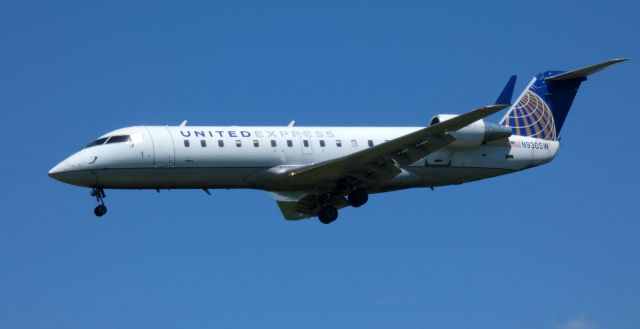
(474,134)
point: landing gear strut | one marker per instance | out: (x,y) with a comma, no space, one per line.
(357,198)
(327,214)
(98,193)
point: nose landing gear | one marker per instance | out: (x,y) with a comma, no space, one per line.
(99,194)
(100,210)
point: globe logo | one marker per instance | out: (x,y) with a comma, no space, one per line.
(532,117)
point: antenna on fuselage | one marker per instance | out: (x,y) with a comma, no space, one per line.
(291,123)
(184,123)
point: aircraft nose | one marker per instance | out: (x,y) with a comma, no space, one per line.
(58,169)
(71,171)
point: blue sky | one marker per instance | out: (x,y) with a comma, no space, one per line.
(553,247)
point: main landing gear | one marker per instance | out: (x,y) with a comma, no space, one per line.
(328,213)
(357,198)
(101,209)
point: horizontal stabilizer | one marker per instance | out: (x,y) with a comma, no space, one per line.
(585,71)
(507,91)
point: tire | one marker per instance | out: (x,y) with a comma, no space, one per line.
(100,210)
(358,198)
(328,214)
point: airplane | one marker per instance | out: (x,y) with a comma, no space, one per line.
(315,171)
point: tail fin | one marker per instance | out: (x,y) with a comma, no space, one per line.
(543,106)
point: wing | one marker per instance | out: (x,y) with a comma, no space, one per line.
(372,166)
(378,164)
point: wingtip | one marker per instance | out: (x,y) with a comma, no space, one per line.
(620,60)
(616,61)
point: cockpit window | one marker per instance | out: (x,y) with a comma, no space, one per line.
(98,141)
(119,139)
(110,140)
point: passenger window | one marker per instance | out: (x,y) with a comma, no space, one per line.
(322,143)
(354,143)
(370,143)
(256,143)
(338,143)
(273,143)
(203,143)
(220,143)
(238,143)
(118,139)
(98,141)
(289,143)
(186,143)
(305,143)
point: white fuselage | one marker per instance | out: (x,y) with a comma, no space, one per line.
(163,157)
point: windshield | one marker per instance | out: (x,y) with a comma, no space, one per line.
(98,141)
(109,140)
(118,139)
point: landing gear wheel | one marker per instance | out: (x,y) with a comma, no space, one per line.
(98,193)
(357,198)
(327,214)
(100,210)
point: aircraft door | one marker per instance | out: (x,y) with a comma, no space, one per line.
(163,150)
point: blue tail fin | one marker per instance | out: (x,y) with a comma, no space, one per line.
(542,108)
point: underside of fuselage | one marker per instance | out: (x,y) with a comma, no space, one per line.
(237,178)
